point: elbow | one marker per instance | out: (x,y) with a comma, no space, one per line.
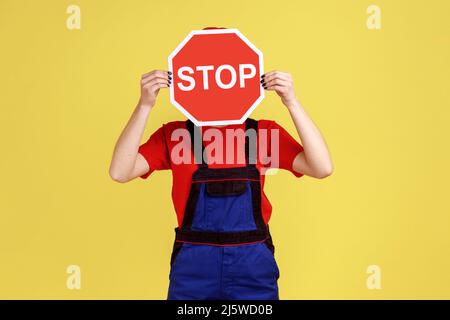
(324,172)
(117,176)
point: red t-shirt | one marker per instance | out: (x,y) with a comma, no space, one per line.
(158,150)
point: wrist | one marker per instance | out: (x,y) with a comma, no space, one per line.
(143,105)
(293,104)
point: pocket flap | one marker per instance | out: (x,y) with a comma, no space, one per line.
(226,188)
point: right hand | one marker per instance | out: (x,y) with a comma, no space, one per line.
(151,83)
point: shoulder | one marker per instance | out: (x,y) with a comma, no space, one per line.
(174,125)
(267,124)
(168,127)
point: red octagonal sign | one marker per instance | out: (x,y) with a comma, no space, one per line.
(216,77)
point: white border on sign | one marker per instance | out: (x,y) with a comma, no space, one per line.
(220,122)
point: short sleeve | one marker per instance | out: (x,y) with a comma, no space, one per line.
(289,148)
(154,151)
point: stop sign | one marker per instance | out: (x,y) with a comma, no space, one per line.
(216,77)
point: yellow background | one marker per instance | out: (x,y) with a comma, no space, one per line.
(381,99)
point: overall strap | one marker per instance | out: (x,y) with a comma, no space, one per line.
(198,147)
(250,157)
(196,143)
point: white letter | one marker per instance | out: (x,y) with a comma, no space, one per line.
(374,20)
(74,280)
(216,146)
(74,20)
(250,134)
(243,75)
(186,78)
(374,280)
(271,156)
(231,136)
(219,80)
(181,152)
(205,70)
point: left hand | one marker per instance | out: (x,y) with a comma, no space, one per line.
(281,83)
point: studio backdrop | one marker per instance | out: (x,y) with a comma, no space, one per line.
(373,75)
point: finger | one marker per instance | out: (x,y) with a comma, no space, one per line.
(279,82)
(153,77)
(276,72)
(155,82)
(277,88)
(155,72)
(155,88)
(276,75)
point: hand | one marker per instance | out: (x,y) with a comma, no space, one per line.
(151,83)
(281,83)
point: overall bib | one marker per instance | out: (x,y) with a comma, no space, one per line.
(223,249)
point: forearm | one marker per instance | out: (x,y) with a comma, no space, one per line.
(127,146)
(317,157)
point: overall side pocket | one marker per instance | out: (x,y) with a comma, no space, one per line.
(267,252)
(175,251)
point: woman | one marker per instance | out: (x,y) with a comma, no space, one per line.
(223,248)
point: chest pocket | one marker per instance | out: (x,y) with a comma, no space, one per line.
(226,188)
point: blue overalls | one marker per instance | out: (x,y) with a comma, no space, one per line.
(223,249)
